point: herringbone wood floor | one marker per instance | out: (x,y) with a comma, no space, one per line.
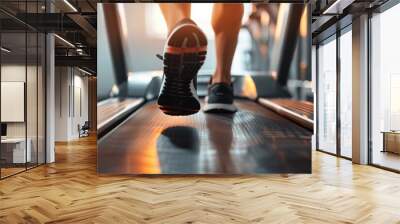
(70,191)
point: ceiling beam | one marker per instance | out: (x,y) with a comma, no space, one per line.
(337,7)
(84,24)
(78,61)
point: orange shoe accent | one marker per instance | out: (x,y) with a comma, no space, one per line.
(182,50)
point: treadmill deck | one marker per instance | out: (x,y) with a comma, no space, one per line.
(253,140)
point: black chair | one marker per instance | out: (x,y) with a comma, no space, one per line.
(84,130)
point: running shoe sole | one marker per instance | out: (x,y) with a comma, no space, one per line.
(183,58)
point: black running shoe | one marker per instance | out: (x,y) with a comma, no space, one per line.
(184,54)
(220,99)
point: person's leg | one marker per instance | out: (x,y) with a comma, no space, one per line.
(226,22)
(174,12)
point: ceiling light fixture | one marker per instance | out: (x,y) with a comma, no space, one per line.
(84,71)
(5,50)
(70,5)
(337,7)
(65,41)
(79,51)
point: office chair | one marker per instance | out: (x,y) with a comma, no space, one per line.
(84,130)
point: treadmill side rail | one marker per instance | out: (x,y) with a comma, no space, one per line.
(299,119)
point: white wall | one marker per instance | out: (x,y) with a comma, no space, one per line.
(80,103)
(71,93)
(62,81)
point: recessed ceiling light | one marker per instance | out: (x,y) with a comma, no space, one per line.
(84,71)
(5,50)
(65,41)
(337,7)
(70,5)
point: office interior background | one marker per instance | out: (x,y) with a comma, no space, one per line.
(44,94)
(376,114)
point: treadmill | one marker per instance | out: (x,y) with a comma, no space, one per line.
(270,133)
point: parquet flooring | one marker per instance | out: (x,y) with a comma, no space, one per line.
(70,191)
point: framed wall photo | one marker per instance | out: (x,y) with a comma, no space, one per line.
(12,101)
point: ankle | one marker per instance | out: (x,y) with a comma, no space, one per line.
(221,79)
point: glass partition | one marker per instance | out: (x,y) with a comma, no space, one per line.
(327,96)
(22,88)
(13,105)
(31,98)
(346,93)
(41,97)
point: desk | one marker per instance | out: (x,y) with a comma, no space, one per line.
(391,141)
(15,148)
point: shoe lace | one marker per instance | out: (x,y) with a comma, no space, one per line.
(159,56)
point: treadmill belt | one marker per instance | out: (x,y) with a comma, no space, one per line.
(253,140)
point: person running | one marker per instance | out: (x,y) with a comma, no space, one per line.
(184,53)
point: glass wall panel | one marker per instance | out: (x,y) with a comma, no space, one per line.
(22,88)
(346,94)
(31,98)
(32,87)
(41,98)
(327,96)
(385,89)
(13,105)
